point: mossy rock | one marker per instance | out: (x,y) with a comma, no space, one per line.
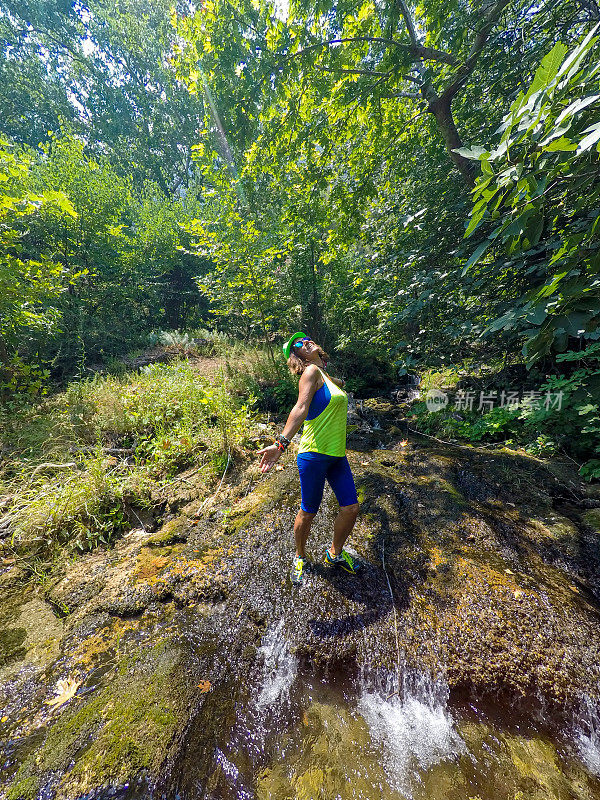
(592,519)
(172,532)
(116,734)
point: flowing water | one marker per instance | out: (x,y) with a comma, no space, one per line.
(302,736)
(586,734)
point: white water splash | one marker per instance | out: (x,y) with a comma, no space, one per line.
(587,736)
(412,726)
(232,775)
(280,667)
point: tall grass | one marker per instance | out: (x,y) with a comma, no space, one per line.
(252,372)
(73,466)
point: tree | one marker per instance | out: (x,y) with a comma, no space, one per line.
(30,285)
(382,60)
(125,247)
(353,178)
(537,200)
(103,72)
(160,254)
(242,283)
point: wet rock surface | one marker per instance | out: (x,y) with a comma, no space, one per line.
(473,571)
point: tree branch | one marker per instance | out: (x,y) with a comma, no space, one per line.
(410,95)
(410,25)
(465,69)
(591,6)
(419,52)
(355,71)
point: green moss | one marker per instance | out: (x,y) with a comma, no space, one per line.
(269,494)
(11,641)
(23,790)
(115,735)
(176,530)
(592,519)
(454,493)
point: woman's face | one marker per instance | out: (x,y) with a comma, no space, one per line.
(306,350)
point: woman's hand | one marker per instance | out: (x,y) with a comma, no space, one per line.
(270,456)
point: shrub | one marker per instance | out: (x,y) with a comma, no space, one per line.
(571,424)
(170,418)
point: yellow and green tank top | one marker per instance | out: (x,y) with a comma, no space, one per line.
(325,424)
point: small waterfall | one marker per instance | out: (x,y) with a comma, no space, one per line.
(411,724)
(279,667)
(261,718)
(586,733)
(232,776)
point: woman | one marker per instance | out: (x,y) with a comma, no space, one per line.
(322,405)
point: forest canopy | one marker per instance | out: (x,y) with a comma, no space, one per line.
(414,183)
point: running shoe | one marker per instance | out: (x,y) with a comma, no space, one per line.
(299,567)
(343,560)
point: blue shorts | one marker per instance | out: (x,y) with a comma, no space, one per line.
(314,468)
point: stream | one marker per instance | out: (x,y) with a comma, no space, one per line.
(396,736)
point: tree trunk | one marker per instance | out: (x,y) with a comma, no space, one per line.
(441,109)
(315,311)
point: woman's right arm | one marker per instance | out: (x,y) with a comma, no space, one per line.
(306,391)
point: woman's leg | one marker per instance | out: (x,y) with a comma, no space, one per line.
(342,527)
(302,525)
(312,468)
(341,481)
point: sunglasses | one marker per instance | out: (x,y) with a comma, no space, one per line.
(300,342)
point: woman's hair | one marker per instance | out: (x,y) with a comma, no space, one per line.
(297,365)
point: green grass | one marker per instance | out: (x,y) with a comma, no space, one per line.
(75,463)
(252,372)
(572,428)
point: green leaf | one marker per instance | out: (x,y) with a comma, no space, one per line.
(576,106)
(537,315)
(592,351)
(571,63)
(550,288)
(535,227)
(479,251)
(548,69)
(587,409)
(562,144)
(473,153)
(590,140)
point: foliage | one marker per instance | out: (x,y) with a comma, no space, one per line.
(102,70)
(87,270)
(538,199)
(242,284)
(564,417)
(297,168)
(29,283)
(168,413)
(84,509)
(253,373)
(337,127)
(178,339)
(158,253)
